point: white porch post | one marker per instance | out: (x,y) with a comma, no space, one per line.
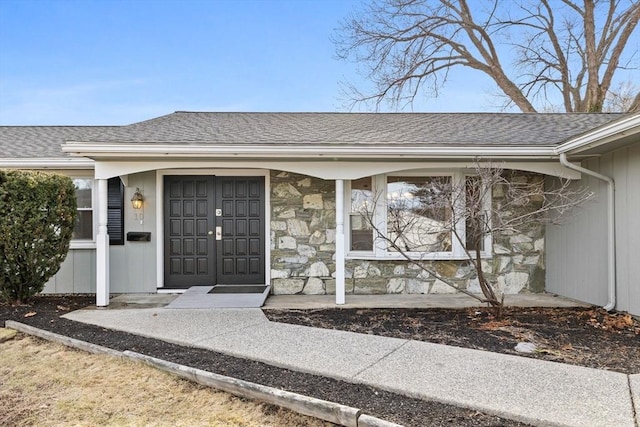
(102,248)
(340,297)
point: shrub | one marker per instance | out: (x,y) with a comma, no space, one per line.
(37,215)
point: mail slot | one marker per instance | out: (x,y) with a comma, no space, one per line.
(138,236)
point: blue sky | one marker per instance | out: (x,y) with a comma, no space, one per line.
(121,61)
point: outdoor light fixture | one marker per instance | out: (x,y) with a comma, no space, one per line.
(137,199)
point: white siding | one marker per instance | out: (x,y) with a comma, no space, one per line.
(628,229)
(77,274)
(132,265)
(576,256)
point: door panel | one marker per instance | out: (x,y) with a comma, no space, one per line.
(190,217)
(241,250)
(193,256)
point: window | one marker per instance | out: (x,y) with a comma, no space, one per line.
(422,214)
(361,209)
(419,213)
(475,213)
(83,229)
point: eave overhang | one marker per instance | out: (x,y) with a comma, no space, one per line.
(47,163)
(605,138)
(302,152)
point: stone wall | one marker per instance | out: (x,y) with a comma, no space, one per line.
(303,246)
(302,234)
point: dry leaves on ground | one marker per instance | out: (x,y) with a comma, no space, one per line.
(590,337)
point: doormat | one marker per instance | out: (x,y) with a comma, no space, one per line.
(203,297)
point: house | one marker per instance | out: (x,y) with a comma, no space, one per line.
(271,198)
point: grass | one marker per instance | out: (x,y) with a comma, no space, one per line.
(45,384)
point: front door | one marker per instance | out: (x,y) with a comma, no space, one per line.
(214,231)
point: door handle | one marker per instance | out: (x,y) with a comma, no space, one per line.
(218,233)
(210,233)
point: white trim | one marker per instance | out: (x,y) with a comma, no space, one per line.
(88,243)
(82,244)
(328,170)
(435,256)
(267,227)
(47,163)
(160,173)
(380,251)
(389,150)
(159,230)
(624,127)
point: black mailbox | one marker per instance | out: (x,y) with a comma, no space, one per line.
(138,236)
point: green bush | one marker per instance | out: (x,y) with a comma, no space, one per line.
(37,214)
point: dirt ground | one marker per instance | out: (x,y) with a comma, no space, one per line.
(45,384)
(588,337)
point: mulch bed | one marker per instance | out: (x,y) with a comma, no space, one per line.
(584,337)
(588,337)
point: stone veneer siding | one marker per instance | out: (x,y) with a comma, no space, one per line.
(303,247)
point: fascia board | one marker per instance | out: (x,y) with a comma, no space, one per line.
(307,151)
(323,169)
(602,135)
(47,163)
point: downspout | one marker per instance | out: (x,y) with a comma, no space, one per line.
(611,226)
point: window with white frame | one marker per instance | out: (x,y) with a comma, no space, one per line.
(419,213)
(476,213)
(362,202)
(422,214)
(83,229)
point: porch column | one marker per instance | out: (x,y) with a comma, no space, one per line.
(102,248)
(340,297)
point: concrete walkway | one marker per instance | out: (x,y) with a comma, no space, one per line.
(529,390)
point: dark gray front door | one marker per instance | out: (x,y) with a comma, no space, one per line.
(241,250)
(214,231)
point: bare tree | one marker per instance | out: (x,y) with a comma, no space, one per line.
(562,50)
(624,97)
(427,216)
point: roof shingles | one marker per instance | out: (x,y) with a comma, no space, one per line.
(490,129)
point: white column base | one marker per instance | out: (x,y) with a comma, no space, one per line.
(102,270)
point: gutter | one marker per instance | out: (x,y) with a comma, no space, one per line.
(47,163)
(309,151)
(611,226)
(603,135)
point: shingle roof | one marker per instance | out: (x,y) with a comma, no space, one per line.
(44,141)
(383,128)
(491,129)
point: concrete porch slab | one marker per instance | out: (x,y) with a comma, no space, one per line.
(302,302)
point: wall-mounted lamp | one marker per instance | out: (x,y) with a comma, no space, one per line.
(137,199)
